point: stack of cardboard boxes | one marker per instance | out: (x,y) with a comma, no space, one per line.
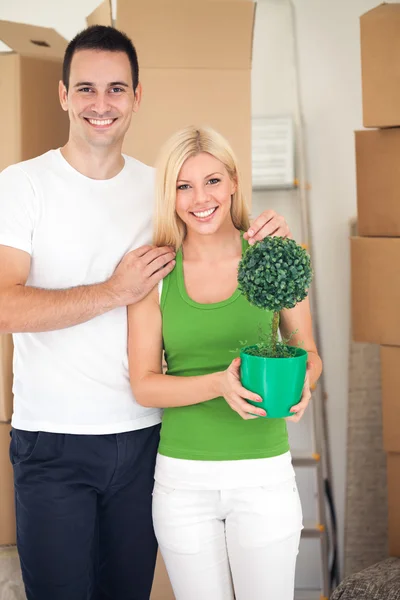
(195,67)
(31,122)
(375,253)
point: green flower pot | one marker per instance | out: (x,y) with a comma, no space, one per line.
(278,381)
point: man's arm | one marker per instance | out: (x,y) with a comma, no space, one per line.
(29,309)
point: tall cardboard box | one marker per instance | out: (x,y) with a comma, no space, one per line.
(380,59)
(378,188)
(161,589)
(393,480)
(31,122)
(390,374)
(195,68)
(7,512)
(6,378)
(375,290)
(31,119)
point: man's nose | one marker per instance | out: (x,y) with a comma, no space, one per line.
(101,104)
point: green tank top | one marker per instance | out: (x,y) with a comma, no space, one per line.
(204,338)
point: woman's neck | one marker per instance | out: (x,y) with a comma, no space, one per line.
(223,244)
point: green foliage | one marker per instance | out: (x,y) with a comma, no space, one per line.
(274,274)
(265,350)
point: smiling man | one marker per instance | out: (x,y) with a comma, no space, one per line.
(73,224)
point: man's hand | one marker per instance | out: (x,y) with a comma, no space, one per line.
(139,272)
(269,223)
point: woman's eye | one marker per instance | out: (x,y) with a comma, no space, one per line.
(214,180)
(184,186)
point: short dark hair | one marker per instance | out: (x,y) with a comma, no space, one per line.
(101,37)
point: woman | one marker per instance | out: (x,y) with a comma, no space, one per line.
(226,509)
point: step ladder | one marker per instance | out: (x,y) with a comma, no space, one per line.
(325,529)
(322,529)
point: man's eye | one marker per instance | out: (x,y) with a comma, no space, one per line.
(214,180)
(116,90)
(184,186)
(85,89)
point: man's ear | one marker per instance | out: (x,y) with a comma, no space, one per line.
(138,98)
(63,95)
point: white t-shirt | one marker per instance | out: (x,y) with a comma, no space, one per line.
(76,229)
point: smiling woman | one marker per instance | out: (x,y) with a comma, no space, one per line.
(225,499)
(203,188)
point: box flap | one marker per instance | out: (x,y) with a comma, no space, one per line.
(383,11)
(212,34)
(102,15)
(30,40)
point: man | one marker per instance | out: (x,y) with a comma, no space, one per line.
(72,227)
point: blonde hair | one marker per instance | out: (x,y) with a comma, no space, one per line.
(169,229)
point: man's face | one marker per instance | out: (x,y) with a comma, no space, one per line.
(100,98)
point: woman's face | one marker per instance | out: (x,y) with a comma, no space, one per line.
(203,194)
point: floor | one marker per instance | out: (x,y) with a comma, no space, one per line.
(11,587)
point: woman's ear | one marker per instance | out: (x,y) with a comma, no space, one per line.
(233,185)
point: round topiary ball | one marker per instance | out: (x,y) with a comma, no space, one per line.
(275,274)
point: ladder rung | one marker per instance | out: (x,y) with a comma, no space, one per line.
(305,459)
(309,595)
(312,529)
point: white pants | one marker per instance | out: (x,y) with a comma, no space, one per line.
(220,545)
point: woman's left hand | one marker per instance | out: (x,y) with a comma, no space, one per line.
(300,408)
(269,223)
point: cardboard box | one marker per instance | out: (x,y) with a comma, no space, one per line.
(378,186)
(6,377)
(31,122)
(380,57)
(393,482)
(7,508)
(390,376)
(185,80)
(375,290)
(161,589)
(31,118)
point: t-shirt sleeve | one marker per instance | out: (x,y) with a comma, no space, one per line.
(17,201)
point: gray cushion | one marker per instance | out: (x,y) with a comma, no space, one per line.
(379,582)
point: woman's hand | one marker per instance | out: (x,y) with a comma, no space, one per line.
(300,408)
(234,393)
(269,223)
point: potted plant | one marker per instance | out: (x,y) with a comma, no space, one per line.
(274,274)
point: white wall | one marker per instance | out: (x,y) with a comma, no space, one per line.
(329,57)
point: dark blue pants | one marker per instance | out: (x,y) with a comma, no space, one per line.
(83,505)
